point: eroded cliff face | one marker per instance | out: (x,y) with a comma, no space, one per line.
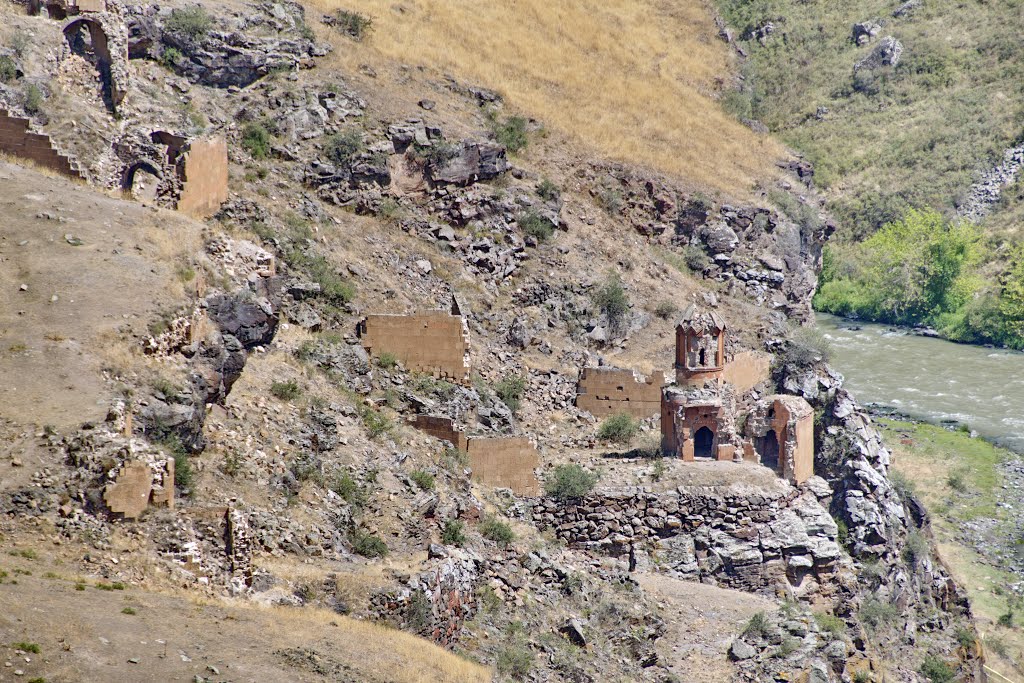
(886,530)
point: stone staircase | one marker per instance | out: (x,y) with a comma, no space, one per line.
(19,141)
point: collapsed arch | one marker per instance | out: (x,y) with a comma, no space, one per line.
(87,39)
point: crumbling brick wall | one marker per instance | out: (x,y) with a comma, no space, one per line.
(436,343)
(609,391)
(508,462)
(442,428)
(204,177)
(17,140)
(137,484)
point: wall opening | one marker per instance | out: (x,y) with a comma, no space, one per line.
(141,180)
(87,40)
(770,450)
(703,443)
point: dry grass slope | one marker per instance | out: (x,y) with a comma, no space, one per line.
(634,79)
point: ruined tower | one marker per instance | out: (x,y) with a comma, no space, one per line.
(700,347)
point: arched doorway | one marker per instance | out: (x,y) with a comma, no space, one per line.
(87,40)
(770,450)
(703,443)
(141,180)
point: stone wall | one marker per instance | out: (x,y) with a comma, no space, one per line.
(204,177)
(436,343)
(609,391)
(18,141)
(746,370)
(508,462)
(753,540)
(442,428)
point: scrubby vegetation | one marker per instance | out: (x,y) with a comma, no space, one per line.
(611,299)
(193,22)
(8,70)
(618,429)
(570,481)
(510,390)
(495,530)
(355,25)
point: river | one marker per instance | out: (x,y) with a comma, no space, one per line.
(931,379)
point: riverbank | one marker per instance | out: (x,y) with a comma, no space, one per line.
(974,492)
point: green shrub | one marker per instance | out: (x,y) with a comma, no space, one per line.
(423,479)
(547,190)
(515,661)
(353,24)
(351,492)
(903,486)
(957,480)
(788,647)
(830,623)
(665,310)
(166,387)
(193,22)
(535,225)
(286,391)
(33,98)
(695,258)
(368,545)
(618,429)
(387,360)
(256,140)
(437,153)
(875,613)
(27,647)
(495,530)
(1006,618)
(936,670)
(611,299)
(376,422)
(128,610)
(510,390)
(757,627)
(659,470)
(570,481)
(512,133)
(170,57)
(806,346)
(341,148)
(8,69)
(610,199)
(453,533)
(184,475)
(965,637)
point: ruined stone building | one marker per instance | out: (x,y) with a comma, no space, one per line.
(704,415)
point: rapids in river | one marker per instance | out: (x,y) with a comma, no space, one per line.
(931,379)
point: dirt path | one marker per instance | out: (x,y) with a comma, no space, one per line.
(702,623)
(128,636)
(78,269)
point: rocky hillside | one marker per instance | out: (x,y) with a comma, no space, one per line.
(901,108)
(228,354)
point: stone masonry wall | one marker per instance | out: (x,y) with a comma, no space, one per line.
(507,462)
(608,391)
(18,141)
(750,539)
(205,183)
(435,343)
